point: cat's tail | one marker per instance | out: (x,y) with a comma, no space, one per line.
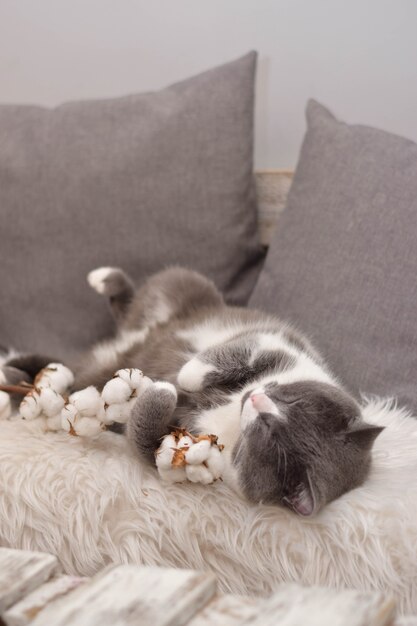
(116,285)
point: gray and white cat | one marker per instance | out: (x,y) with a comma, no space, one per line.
(292,435)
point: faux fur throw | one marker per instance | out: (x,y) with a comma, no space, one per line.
(91,502)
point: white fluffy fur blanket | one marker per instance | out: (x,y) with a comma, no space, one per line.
(92,502)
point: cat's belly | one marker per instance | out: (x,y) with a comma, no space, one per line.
(209,333)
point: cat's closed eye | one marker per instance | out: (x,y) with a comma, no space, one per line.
(288,400)
(280,394)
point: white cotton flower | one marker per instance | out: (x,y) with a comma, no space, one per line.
(173,475)
(101,413)
(119,412)
(132,376)
(198,474)
(145,383)
(69,417)
(87,401)
(51,402)
(116,391)
(88,427)
(30,408)
(198,452)
(73,422)
(56,376)
(184,442)
(5,405)
(54,423)
(165,453)
(215,462)
(63,371)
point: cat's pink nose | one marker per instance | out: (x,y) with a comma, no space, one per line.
(262,403)
(260,400)
(254,396)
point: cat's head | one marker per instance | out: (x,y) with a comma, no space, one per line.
(301,445)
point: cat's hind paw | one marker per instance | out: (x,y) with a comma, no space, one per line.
(109,281)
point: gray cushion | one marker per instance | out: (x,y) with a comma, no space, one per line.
(138,182)
(343,263)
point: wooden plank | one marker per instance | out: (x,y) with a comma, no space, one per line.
(293,605)
(129,595)
(24,611)
(227,611)
(21,572)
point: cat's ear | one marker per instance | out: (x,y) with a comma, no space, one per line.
(364,435)
(302,500)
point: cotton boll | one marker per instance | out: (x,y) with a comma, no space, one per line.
(51,402)
(145,383)
(126,412)
(165,453)
(54,423)
(116,391)
(87,401)
(5,406)
(199,452)
(110,413)
(52,379)
(215,462)
(30,407)
(173,475)
(119,412)
(184,442)
(42,379)
(64,372)
(88,427)
(132,376)
(56,376)
(198,474)
(101,412)
(69,417)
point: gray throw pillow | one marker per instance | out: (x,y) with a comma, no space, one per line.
(139,182)
(343,262)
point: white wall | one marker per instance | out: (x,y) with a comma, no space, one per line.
(357,56)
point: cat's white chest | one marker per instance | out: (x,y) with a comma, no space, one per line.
(223,421)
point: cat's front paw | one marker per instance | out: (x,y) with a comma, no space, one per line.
(162,385)
(151,417)
(192,375)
